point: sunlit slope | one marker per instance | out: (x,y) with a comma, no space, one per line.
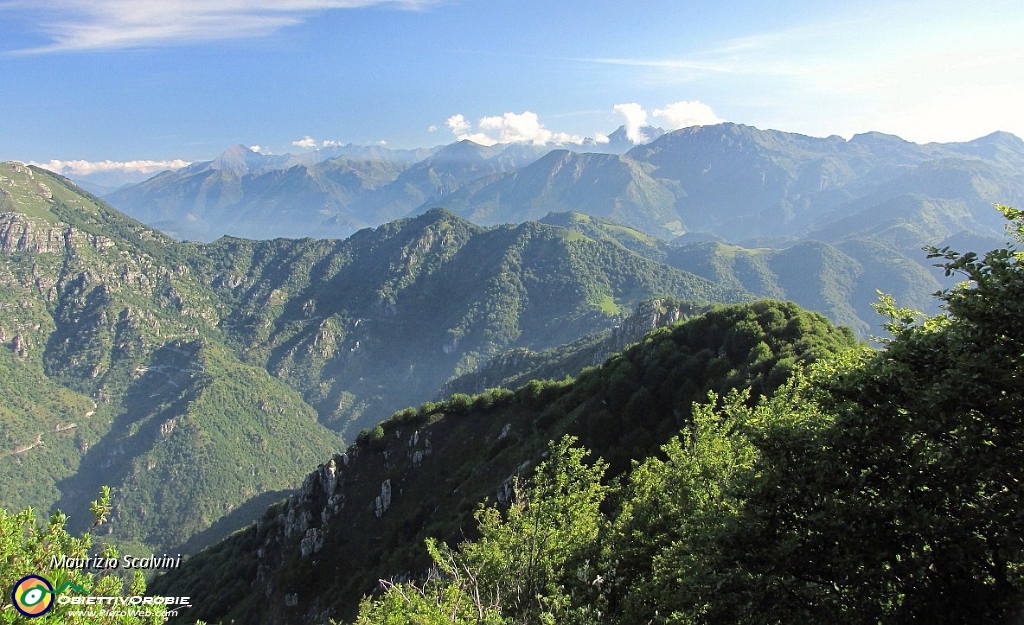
(381,320)
(117,375)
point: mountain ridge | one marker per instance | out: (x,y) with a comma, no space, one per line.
(727,180)
(362,516)
(158,367)
(96,312)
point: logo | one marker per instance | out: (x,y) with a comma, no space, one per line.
(32,596)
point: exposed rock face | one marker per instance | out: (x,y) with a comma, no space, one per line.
(18,234)
(21,233)
(165,429)
(303,527)
(649,315)
(417,454)
(20,345)
(383,500)
(304,517)
(312,542)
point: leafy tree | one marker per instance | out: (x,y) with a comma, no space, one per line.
(907,506)
(672,511)
(526,562)
(27,548)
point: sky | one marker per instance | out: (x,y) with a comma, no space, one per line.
(141,86)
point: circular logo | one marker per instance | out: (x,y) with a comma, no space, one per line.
(32,596)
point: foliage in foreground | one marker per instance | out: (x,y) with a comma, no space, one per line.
(28,548)
(873,488)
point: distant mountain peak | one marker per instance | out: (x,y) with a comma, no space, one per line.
(465,150)
(618,141)
(999,137)
(875,137)
(238,159)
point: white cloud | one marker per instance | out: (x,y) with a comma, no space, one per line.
(522,127)
(306,142)
(458,124)
(257,148)
(86,168)
(113,24)
(687,113)
(478,138)
(635,119)
(327,143)
(432,128)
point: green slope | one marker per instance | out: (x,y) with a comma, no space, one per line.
(840,279)
(368,325)
(433,466)
(115,374)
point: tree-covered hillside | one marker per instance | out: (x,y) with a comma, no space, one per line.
(752,464)
(114,374)
(362,516)
(197,380)
(382,320)
(873,487)
(839,279)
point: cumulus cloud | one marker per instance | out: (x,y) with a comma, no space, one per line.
(635,119)
(523,127)
(306,142)
(87,168)
(112,24)
(328,143)
(687,113)
(458,124)
(432,128)
(478,138)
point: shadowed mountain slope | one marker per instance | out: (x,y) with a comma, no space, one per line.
(362,516)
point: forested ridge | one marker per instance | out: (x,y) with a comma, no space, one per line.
(200,382)
(753,463)
(871,487)
(363,516)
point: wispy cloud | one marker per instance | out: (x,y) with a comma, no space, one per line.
(731,65)
(111,24)
(763,53)
(664,63)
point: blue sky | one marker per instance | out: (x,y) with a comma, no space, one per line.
(128,81)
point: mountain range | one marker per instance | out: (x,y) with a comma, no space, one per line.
(822,221)
(329,192)
(202,380)
(725,181)
(198,379)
